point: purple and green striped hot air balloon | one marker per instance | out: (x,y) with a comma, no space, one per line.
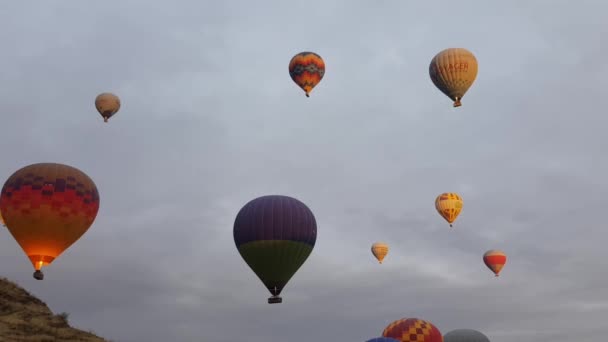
(275,235)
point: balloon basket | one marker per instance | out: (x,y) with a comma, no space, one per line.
(275,300)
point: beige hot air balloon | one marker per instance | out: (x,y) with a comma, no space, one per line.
(449,205)
(107,105)
(453,71)
(380,250)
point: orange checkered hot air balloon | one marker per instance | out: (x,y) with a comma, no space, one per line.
(307,70)
(46,208)
(413,330)
(495,260)
(107,105)
(449,205)
(453,71)
(380,250)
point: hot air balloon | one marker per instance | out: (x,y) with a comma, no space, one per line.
(47,207)
(107,105)
(465,335)
(382,339)
(307,70)
(2,220)
(275,235)
(379,250)
(413,330)
(449,206)
(495,260)
(453,71)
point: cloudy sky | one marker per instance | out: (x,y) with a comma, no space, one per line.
(210,120)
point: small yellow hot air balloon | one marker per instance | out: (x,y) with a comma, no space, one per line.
(453,71)
(449,206)
(107,105)
(379,250)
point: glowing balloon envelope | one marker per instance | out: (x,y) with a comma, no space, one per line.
(449,205)
(46,208)
(275,235)
(465,335)
(307,70)
(453,71)
(495,260)
(380,250)
(107,105)
(413,330)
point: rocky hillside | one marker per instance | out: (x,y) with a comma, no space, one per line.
(25,318)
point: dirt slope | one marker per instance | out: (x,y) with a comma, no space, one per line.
(25,318)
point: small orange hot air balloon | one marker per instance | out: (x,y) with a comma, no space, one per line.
(495,260)
(380,250)
(107,105)
(453,71)
(307,70)
(449,205)
(46,208)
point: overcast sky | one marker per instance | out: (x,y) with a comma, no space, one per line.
(210,119)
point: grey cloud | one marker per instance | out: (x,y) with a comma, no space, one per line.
(210,120)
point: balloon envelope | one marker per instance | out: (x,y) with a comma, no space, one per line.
(307,70)
(465,335)
(47,207)
(413,330)
(107,105)
(495,260)
(380,250)
(449,205)
(275,235)
(453,71)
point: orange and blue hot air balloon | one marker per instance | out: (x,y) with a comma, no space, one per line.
(307,70)
(275,235)
(47,207)
(413,330)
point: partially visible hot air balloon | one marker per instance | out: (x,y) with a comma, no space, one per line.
(495,260)
(449,205)
(413,330)
(453,71)
(46,208)
(107,105)
(307,70)
(380,250)
(382,339)
(465,335)
(275,235)
(2,220)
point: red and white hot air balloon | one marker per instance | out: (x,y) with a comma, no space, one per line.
(495,260)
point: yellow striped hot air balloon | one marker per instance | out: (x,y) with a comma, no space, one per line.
(380,250)
(449,206)
(453,71)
